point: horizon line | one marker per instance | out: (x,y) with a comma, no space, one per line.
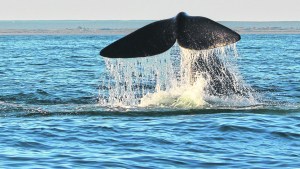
(140,20)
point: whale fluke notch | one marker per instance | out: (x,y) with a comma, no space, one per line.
(192,32)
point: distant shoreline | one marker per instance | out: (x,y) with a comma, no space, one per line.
(85,31)
(115,27)
(66,32)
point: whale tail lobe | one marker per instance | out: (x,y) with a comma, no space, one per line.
(192,32)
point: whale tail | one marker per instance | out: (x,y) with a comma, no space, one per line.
(192,32)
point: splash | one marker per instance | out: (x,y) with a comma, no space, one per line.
(180,78)
(185,96)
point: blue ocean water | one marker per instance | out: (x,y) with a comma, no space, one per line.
(50,116)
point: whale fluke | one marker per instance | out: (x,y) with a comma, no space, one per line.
(192,32)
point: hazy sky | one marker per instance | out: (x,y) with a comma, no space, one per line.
(221,10)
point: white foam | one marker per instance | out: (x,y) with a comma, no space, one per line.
(186,96)
(166,80)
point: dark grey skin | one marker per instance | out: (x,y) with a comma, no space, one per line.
(221,81)
(192,32)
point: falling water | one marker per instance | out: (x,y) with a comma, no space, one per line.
(177,78)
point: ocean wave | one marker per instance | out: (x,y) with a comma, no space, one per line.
(41,97)
(20,110)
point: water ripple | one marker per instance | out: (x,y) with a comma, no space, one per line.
(50,116)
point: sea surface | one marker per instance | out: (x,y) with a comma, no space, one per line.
(51,117)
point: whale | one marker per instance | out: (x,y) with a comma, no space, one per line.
(190,32)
